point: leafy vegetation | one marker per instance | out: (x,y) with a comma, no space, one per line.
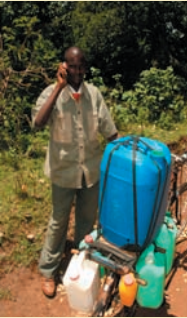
(158,98)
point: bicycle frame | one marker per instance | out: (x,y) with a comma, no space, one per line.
(176,184)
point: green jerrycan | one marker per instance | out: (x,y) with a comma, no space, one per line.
(166,239)
(150,267)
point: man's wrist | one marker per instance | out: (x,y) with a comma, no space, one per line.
(59,86)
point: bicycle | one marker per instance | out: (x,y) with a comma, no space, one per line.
(117,262)
(177,201)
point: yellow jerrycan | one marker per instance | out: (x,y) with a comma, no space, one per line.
(127,289)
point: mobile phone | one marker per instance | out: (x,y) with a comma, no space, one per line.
(64,64)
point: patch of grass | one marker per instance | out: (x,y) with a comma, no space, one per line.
(5,294)
(152,131)
(24,209)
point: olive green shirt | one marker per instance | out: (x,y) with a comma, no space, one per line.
(74,126)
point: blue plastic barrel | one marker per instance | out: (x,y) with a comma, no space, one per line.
(134,183)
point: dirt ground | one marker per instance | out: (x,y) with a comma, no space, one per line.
(27,300)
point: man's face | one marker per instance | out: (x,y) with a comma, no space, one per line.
(76,69)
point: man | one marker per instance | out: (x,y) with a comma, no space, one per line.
(73,156)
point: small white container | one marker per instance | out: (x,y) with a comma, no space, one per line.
(82,283)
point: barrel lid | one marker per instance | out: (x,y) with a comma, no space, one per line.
(88,239)
(129,279)
(157,153)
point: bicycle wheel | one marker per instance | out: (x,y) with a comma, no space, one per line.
(114,309)
(178,206)
(99,309)
(128,311)
(104,306)
(112,306)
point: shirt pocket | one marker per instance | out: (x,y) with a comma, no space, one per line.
(92,126)
(62,128)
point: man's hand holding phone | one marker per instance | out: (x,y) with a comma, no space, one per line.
(62,74)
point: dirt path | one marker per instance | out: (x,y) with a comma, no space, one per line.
(27,300)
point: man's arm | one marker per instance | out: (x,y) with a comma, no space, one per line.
(45,111)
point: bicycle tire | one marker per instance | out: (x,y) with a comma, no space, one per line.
(178,206)
(113,308)
(99,310)
(104,304)
(128,311)
(121,311)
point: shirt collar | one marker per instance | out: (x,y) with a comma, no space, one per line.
(73,91)
(68,90)
(85,90)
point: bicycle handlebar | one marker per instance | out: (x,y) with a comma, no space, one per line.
(178,158)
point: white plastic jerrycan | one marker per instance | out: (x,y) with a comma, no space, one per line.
(82,283)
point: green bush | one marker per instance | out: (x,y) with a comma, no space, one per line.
(27,64)
(157,98)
